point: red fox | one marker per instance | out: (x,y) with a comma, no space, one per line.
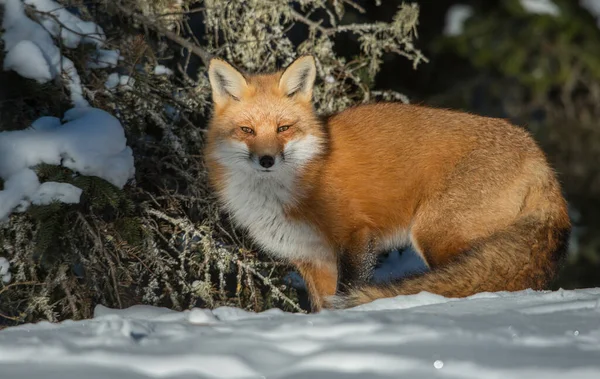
(474,196)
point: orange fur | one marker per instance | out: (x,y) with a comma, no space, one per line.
(475,196)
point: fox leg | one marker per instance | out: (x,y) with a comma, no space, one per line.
(320,279)
(357,262)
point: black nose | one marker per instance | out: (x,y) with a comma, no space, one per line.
(266,161)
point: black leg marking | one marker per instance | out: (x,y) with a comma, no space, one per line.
(357,266)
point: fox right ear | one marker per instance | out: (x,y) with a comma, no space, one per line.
(299,77)
(226,82)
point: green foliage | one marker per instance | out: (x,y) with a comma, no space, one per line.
(539,51)
(50,221)
(130,230)
(103,198)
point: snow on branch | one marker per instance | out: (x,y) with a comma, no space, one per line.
(91,142)
(540,7)
(30,47)
(5,275)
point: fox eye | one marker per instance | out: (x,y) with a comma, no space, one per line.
(283,128)
(246,129)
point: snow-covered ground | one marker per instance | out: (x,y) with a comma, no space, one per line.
(504,335)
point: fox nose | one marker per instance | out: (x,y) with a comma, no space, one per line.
(266,161)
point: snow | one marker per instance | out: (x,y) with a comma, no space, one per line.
(523,334)
(74,83)
(90,142)
(5,275)
(592,6)
(112,81)
(28,45)
(126,82)
(455,19)
(540,7)
(31,50)
(18,187)
(122,82)
(397,265)
(56,19)
(52,191)
(28,60)
(102,58)
(162,70)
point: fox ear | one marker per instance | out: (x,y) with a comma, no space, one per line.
(226,82)
(299,77)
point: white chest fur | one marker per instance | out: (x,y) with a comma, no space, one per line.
(257,199)
(257,203)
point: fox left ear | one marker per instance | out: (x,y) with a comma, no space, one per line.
(299,77)
(226,82)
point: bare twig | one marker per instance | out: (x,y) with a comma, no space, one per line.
(313,24)
(355,6)
(30,283)
(150,24)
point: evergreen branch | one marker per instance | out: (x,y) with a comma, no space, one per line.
(268,282)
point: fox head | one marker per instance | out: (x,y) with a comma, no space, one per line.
(264,124)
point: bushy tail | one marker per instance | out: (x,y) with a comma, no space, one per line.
(525,255)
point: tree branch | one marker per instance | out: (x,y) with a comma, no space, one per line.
(149,23)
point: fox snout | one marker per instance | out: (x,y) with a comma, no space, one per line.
(265,154)
(266,161)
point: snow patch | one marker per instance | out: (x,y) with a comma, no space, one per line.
(28,60)
(455,19)
(162,70)
(592,6)
(112,81)
(18,187)
(102,58)
(121,82)
(404,302)
(74,83)
(61,23)
(5,275)
(399,264)
(31,50)
(90,142)
(126,82)
(541,7)
(51,191)
(28,45)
